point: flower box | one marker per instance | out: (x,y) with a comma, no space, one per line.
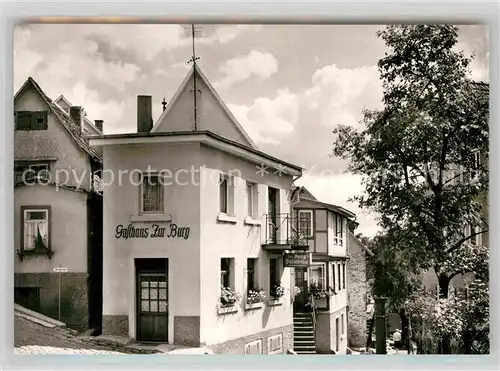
(273,302)
(250,306)
(227,309)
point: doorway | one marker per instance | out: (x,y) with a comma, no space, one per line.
(152,300)
(301,300)
(273,214)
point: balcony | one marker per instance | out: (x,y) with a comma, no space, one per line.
(286,232)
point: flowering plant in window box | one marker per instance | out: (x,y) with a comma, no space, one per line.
(277,292)
(255,296)
(319,293)
(228,296)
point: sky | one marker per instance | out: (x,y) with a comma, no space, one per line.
(289,86)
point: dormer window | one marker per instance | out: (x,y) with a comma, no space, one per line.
(31,120)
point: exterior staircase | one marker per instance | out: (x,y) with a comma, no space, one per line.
(303,334)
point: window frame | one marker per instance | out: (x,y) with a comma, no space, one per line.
(33,116)
(322,265)
(229,194)
(278,274)
(343,276)
(143,177)
(338,238)
(279,338)
(229,272)
(253,273)
(252,193)
(310,232)
(339,277)
(47,250)
(250,344)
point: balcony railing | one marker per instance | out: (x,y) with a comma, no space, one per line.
(287,229)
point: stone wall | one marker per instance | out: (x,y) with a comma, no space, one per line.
(357,289)
(74,296)
(237,346)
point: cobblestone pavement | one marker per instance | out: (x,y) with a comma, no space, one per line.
(30,336)
(36,349)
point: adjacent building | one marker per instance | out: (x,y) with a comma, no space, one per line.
(57,210)
(322,286)
(196,221)
(359,290)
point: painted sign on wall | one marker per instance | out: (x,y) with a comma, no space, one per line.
(297,259)
(155,231)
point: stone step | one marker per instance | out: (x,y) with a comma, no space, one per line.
(300,344)
(303,336)
(302,323)
(304,348)
(308,340)
(305,352)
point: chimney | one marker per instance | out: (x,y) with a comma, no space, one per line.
(144,114)
(98,124)
(75,112)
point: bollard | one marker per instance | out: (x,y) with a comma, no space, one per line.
(380,326)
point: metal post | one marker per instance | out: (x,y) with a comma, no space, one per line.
(380,326)
(59,299)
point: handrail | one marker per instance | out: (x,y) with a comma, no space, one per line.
(313,312)
(285,228)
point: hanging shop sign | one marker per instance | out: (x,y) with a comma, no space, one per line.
(172,230)
(297,259)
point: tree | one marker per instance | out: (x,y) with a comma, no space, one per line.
(418,154)
(394,275)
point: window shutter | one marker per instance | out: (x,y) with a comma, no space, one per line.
(39,120)
(23,120)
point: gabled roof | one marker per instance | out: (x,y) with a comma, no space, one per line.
(84,118)
(304,195)
(73,129)
(367,250)
(199,74)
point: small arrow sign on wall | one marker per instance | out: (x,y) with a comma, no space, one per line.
(60,270)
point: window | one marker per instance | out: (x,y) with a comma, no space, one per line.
(251,274)
(337,334)
(35,228)
(338,272)
(338,232)
(342,324)
(226,272)
(275,344)
(274,275)
(254,347)
(152,194)
(343,275)
(26,173)
(252,200)
(305,222)
(226,194)
(317,276)
(333,278)
(31,120)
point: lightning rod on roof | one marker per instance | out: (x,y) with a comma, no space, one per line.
(194,32)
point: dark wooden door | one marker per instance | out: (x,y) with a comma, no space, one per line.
(273,213)
(302,298)
(152,300)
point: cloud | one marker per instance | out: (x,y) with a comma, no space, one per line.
(340,94)
(227,33)
(254,64)
(267,119)
(337,188)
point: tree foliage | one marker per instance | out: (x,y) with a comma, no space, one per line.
(418,156)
